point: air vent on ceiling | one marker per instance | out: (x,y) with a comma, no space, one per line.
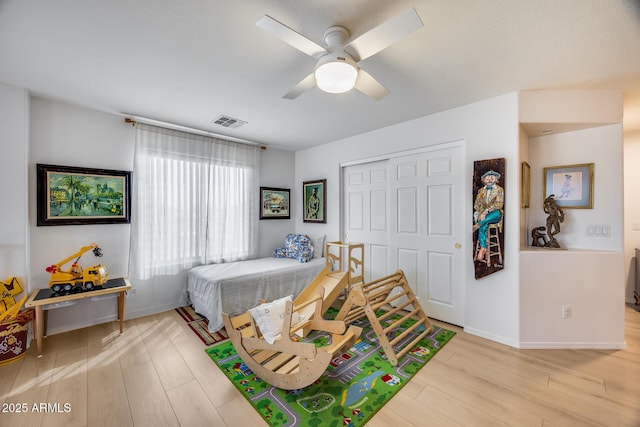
(228,122)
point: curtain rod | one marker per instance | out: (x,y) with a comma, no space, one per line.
(134,119)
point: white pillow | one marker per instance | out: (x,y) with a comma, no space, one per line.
(318,245)
(270,317)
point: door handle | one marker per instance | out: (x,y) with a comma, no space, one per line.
(458,245)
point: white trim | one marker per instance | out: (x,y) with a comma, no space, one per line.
(387,156)
(577,345)
(148,311)
(75,326)
(492,337)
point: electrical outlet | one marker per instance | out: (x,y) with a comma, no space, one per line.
(131,292)
(566,311)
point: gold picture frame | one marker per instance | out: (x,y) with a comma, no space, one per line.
(570,185)
(526,184)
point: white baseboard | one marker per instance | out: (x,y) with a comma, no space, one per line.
(541,345)
(492,337)
(91,322)
(147,311)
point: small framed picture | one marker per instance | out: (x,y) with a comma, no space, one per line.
(526,184)
(571,185)
(75,196)
(314,195)
(274,203)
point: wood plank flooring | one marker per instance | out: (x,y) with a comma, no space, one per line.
(157,374)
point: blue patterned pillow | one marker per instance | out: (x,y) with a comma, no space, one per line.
(280,253)
(296,246)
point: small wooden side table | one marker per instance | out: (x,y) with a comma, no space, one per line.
(43,297)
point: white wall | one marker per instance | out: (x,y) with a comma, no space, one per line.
(631,208)
(587,275)
(490,130)
(590,282)
(14,208)
(276,170)
(63,134)
(601,146)
(572,107)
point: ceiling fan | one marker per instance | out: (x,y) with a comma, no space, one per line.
(337,70)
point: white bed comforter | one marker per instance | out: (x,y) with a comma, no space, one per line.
(235,287)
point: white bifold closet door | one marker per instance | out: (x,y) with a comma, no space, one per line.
(408,211)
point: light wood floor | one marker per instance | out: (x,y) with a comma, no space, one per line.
(157,374)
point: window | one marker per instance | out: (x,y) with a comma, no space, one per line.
(194,201)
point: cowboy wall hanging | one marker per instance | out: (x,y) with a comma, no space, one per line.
(488,216)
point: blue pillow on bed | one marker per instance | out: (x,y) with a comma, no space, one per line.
(296,246)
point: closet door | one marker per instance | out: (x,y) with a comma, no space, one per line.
(426,229)
(366,213)
(408,211)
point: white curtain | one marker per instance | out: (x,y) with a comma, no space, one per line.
(195,201)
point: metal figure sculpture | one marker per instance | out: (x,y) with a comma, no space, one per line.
(556,216)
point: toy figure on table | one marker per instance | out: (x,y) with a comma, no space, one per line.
(77,279)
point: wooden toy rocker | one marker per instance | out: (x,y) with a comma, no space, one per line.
(277,358)
(365,299)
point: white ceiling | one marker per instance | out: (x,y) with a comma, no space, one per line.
(187,62)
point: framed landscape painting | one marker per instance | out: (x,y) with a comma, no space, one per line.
(274,203)
(314,195)
(75,196)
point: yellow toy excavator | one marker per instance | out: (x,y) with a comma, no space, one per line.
(77,278)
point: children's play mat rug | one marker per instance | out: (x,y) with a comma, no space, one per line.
(354,387)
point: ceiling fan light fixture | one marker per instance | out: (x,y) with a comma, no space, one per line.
(336,73)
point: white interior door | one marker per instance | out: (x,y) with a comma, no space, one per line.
(366,215)
(421,227)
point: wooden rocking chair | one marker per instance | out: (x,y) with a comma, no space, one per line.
(289,364)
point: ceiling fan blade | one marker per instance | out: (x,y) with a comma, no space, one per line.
(370,86)
(306,84)
(291,37)
(384,35)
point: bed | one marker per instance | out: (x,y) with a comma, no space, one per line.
(235,287)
